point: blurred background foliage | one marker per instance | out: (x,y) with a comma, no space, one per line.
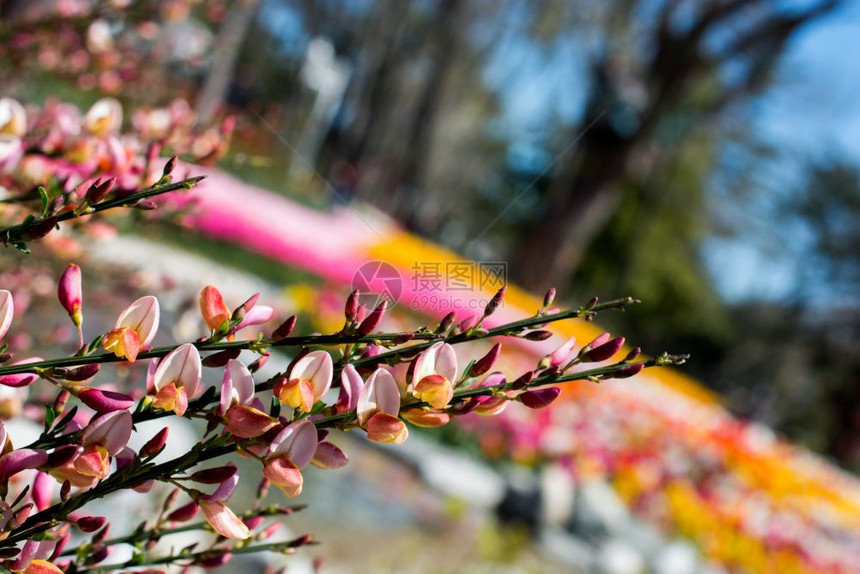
(606,147)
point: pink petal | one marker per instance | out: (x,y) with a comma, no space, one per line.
(181,367)
(439,359)
(329,456)
(244,421)
(105,401)
(350,388)
(539,398)
(317,368)
(562,354)
(297,442)
(256,316)
(7,311)
(380,394)
(224,521)
(111,430)
(238,385)
(22,459)
(20,379)
(142,316)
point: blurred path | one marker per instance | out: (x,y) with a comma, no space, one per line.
(759,493)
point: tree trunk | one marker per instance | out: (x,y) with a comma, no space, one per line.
(228,44)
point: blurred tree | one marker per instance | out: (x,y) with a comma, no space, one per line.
(662,70)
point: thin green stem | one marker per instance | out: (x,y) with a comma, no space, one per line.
(193,557)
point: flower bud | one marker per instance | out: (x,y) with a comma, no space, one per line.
(154,445)
(184,513)
(253,522)
(98,191)
(61,401)
(69,293)
(105,401)
(284,329)
(604,351)
(523,381)
(43,490)
(549,297)
(541,335)
(468,323)
(91,523)
(77,374)
(495,301)
(628,371)
(372,321)
(350,310)
(486,362)
(215,475)
(221,358)
(633,354)
(169,166)
(539,398)
(63,455)
(447,322)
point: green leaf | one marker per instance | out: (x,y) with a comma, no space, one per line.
(50,415)
(43,193)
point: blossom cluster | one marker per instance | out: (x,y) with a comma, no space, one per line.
(354,379)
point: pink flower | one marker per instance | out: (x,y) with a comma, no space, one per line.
(13,117)
(20,379)
(434,375)
(177,379)
(378,407)
(212,308)
(7,311)
(105,401)
(104,117)
(237,394)
(309,380)
(70,294)
(350,388)
(563,353)
(104,437)
(256,316)
(223,520)
(291,450)
(491,405)
(134,330)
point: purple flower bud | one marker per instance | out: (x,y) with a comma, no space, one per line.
(523,381)
(541,335)
(43,491)
(486,362)
(447,322)
(549,297)
(350,310)
(604,351)
(91,523)
(98,191)
(284,329)
(495,301)
(221,358)
(539,398)
(169,166)
(78,374)
(633,354)
(184,513)
(215,475)
(628,371)
(63,454)
(372,321)
(468,323)
(105,401)
(70,294)
(22,459)
(253,522)
(154,445)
